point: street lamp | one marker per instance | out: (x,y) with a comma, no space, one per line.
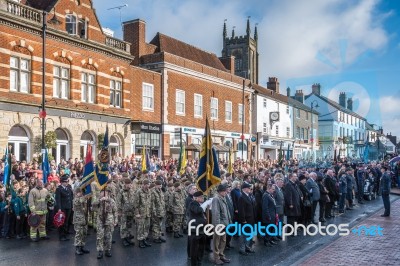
(312,127)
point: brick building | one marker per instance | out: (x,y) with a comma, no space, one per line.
(195,84)
(89,81)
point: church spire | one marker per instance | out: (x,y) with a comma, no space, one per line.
(224,33)
(248,27)
(255,33)
(233,32)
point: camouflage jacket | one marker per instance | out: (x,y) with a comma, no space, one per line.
(143,203)
(79,207)
(106,211)
(167,198)
(157,203)
(126,202)
(177,202)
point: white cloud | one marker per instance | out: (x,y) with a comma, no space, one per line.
(389,106)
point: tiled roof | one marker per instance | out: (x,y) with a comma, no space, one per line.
(179,48)
(300,105)
(337,106)
(41,4)
(270,93)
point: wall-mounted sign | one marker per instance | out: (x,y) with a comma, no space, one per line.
(137,127)
(253,138)
(77,115)
(188,130)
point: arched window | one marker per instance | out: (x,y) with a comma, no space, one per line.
(18,141)
(87,138)
(114,145)
(62,149)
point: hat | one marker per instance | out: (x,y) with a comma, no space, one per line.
(152,185)
(240,171)
(145,182)
(177,184)
(158,182)
(64,178)
(246,185)
(302,177)
(127,181)
(170,185)
(222,187)
(197,194)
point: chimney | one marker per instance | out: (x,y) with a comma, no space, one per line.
(316,89)
(273,84)
(350,104)
(229,63)
(134,32)
(299,96)
(288,92)
(342,99)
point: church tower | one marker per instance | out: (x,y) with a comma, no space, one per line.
(244,49)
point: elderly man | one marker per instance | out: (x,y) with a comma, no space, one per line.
(313,188)
(246,215)
(269,212)
(220,215)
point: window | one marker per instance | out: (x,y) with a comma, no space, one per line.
(214,108)
(180,102)
(277,130)
(228,111)
(302,133)
(70,24)
(198,105)
(265,128)
(297,113)
(288,132)
(297,132)
(115,93)
(60,82)
(265,103)
(306,134)
(241,114)
(19,74)
(88,87)
(147,96)
(82,28)
(287,109)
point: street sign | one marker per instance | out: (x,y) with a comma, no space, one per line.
(253,139)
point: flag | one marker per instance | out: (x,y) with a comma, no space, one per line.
(208,173)
(7,169)
(102,167)
(230,162)
(334,155)
(144,159)
(87,191)
(287,153)
(45,166)
(88,169)
(182,160)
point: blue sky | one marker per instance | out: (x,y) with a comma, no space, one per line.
(350,46)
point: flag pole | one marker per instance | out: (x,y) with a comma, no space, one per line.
(207,165)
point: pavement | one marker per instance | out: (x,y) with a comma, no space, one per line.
(293,251)
(362,248)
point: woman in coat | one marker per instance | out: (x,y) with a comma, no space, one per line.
(323,199)
(305,208)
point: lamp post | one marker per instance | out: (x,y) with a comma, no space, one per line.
(42,113)
(312,127)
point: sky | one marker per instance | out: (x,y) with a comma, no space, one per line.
(346,46)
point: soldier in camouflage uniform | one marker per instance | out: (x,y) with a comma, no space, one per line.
(126,209)
(157,211)
(107,219)
(142,213)
(169,219)
(177,201)
(92,211)
(80,221)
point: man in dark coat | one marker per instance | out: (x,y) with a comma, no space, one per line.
(231,211)
(197,242)
(292,199)
(64,197)
(246,215)
(313,188)
(330,184)
(279,199)
(361,175)
(269,212)
(385,185)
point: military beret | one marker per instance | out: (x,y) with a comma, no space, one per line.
(145,182)
(152,185)
(158,182)
(127,181)
(177,184)
(228,174)
(170,185)
(197,194)
(125,175)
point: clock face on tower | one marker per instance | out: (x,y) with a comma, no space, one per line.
(274,116)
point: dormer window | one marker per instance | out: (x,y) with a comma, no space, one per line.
(76,26)
(70,23)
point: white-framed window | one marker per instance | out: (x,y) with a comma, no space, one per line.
(297,113)
(228,111)
(115,93)
(147,96)
(302,133)
(60,82)
(19,74)
(88,88)
(180,102)
(297,132)
(276,130)
(287,109)
(71,24)
(265,103)
(214,108)
(288,132)
(198,105)
(241,114)
(265,128)
(82,28)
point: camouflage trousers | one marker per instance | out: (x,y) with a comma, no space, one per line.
(104,237)
(41,228)
(126,226)
(178,220)
(185,222)
(80,235)
(169,219)
(143,225)
(92,219)
(156,229)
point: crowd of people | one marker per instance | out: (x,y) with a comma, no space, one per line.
(162,200)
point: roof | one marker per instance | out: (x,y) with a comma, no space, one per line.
(336,105)
(300,105)
(270,93)
(173,46)
(41,4)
